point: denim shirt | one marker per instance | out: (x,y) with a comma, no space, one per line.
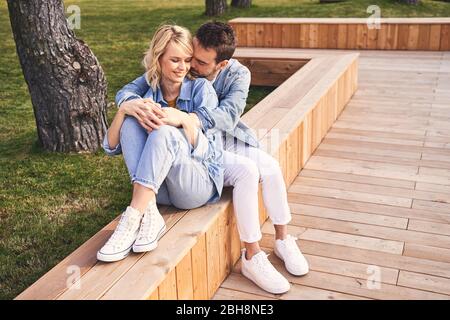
(196,96)
(231,86)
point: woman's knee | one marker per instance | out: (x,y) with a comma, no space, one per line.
(250,172)
(131,129)
(165,133)
(268,165)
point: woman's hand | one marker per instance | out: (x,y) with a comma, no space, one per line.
(147,112)
(174,117)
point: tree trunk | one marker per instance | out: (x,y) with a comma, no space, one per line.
(241,3)
(215,7)
(66,83)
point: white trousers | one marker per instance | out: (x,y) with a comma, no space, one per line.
(244,167)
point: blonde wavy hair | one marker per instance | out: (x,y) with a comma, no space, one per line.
(163,36)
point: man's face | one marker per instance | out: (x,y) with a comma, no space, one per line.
(203,64)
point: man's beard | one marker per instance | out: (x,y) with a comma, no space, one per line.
(195,74)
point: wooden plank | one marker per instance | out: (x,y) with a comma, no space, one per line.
(241,34)
(251,33)
(237,282)
(277,35)
(183,273)
(370,188)
(259,35)
(295,231)
(424,282)
(351,36)
(304,36)
(431,187)
(357,178)
(313,36)
(154,295)
(294,37)
(413,37)
(382,37)
(293,158)
(424,37)
(285,39)
(361,36)
(400,212)
(354,241)
(307,134)
(333,31)
(199,269)
(374,169)
(392,37)
(355,286)
(225,258)
(268,35)
(350,195)
(398,236)
(427,252)
(300,292)
(347,215)
(429,227)
(213,258)
(445,37)
(431,205)
(435,37)
(168,288)
(240,285)
(230,294)
(372,35)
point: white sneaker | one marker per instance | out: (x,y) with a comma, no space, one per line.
(119,244)
(263,273)
(152,228)
(288,251)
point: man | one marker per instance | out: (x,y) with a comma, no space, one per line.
(245,164)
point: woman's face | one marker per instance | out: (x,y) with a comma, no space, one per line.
(175,63)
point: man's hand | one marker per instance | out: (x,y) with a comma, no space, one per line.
(147,112)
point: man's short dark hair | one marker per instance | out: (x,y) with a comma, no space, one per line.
(218,36)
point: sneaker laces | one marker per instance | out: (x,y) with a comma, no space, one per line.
(291,245)
(125,225)
(148,223)
(263,264)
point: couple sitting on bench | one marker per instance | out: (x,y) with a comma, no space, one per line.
(179,130)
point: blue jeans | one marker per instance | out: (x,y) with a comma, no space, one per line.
(167,163)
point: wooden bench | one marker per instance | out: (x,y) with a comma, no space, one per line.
(344,33)
(201,246)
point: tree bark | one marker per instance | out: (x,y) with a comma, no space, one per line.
(66,82)
(241,3)
(215,7)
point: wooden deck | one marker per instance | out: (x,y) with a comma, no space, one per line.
(371,207)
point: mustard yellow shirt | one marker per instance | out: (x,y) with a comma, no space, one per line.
(172,103)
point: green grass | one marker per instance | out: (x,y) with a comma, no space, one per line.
(51,203)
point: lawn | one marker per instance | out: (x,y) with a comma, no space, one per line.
(51,203)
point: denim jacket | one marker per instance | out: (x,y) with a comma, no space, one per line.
(196,96)
(231,86)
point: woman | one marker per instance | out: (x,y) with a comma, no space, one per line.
(171,162)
